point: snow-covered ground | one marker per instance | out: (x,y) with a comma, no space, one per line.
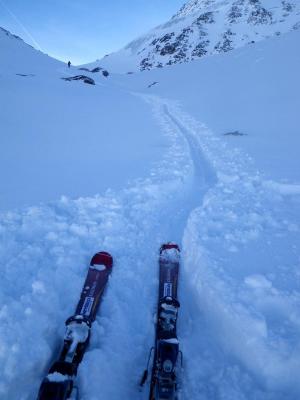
(171,167)
(76,136)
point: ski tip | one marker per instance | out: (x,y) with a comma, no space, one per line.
(168,246)
(102,258)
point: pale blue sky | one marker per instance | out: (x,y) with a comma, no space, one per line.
(83,30)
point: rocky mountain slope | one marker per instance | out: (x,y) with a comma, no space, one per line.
(206,27)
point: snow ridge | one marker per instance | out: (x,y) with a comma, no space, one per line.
(10,35)
(194,6)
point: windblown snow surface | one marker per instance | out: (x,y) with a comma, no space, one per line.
(207,157)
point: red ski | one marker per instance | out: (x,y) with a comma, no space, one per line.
(165,353)
(59,383)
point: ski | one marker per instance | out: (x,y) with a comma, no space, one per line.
(165,353)
(59,384)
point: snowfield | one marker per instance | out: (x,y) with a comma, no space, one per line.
(207,157)
(67,133)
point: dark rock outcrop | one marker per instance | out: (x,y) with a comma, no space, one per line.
(84,78)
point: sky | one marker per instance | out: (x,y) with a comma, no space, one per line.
(83,31)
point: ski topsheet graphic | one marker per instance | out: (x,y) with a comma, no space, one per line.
(59,384)
(165,353)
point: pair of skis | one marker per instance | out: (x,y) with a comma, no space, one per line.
(60,383)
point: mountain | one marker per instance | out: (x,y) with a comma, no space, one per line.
(19,57)
(205,27)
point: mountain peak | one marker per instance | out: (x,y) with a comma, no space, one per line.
(194,6)
(205,27)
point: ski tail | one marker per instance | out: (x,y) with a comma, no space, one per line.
(59,384)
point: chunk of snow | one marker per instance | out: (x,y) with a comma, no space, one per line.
(98,267)
(258,282)
(170,255)
(285,189)
(57,377)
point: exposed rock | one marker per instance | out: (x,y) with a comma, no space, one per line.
(84,78)
(226,44)
(235,13)
(287,6)
(168,49)
(200,50)
(206,18)
(97,69)
(235,133)
(296,26)
(260,15)
(152,84)
(146,64)
(7,33)
(25,75)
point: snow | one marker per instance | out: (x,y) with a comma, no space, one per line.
(98,267)
(145,166)
(57,377)
(258,282)
(53,114)
(170,255)
(173,341)
(77,332)
(285,189)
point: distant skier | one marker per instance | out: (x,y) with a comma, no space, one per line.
(69,64)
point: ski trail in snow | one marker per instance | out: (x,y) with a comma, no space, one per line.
(203,175)
(133,292)
(203,172)
(204,362)
(52,245)
(242,217)
(201,193)
(230,337)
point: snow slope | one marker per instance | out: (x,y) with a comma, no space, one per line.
(65,132)
(230,200)
(19,57)
(205,27)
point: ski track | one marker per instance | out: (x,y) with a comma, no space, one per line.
(202,194)
(51,246)
(248,314)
